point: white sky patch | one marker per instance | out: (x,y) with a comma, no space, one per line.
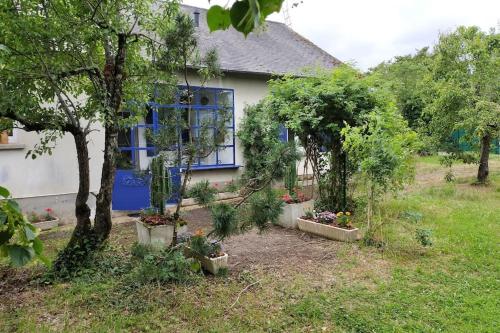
(367,32)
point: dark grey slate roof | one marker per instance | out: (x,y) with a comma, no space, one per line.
(275,50)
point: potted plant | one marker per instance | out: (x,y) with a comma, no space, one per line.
(209,253)
(329,225)
(5,126)
(297,203)
(155,226)
(45,221)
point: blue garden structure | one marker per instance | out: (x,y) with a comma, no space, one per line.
(132,179)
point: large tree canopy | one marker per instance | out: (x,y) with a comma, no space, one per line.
(66,65)
(316,108)
(466,76)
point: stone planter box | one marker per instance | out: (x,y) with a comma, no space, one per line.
(328,231)
(291,212)
(158,235)
(212,265)
(47,225)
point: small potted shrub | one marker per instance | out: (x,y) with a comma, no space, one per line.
(157,229)
(209,253)
(5,126)
(329,225)
(45,221)
(296,202)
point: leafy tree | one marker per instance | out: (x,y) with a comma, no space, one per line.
(259,136)
(382,150)
(466,72)
(408,78)
(316,108)
(66,65)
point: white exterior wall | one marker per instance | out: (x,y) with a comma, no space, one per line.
(52,180)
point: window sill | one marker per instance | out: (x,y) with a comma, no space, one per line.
(12,146)
(213,167)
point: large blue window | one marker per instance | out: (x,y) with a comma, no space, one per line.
(204,107)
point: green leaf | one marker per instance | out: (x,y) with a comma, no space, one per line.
(14,206)
(3,218)
(241,17)
(4,192)
(218,18)
(195,266)
(37,246)
(20,255)
(268,7)
(30,235)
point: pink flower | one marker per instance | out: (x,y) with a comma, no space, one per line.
(287,198)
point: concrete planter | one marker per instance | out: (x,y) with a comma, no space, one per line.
(328,231)
(182,231)
(291,212)
(47,225)
(158,235)
(212,265)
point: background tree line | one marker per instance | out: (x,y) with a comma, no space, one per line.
(453,86)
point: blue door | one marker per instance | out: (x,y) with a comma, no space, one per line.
(131,190)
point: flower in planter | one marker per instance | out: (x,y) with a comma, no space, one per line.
(287,198)
(326,217)
(344,220)
(49,214)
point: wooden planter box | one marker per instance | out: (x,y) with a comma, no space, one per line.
(328,231)
(291,212)
(212,265)
(47,225)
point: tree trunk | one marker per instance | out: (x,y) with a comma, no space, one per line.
(483,171)
(82,210)
(82,239)
(114,86)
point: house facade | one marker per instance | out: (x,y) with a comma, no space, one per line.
(247,63)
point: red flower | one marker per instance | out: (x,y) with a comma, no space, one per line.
(287,198)
(48,210)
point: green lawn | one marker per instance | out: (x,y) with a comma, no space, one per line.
(454,286)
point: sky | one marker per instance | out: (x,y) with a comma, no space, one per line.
(367,32)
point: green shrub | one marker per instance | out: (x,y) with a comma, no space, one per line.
(166,266)
(265,207)
(224,220)
(202,246)
(202,193)
(424,237)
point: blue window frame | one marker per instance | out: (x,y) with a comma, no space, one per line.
(205,104)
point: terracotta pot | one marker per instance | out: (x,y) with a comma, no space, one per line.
(4,137)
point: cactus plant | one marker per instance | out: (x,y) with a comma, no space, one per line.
(290,178)
(161,185)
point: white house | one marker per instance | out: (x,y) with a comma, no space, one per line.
(247,63)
